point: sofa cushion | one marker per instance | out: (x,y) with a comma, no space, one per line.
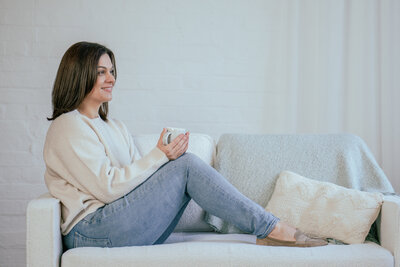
(229,252)
(204,147)
(324,209)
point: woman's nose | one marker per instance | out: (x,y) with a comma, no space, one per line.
(110,78)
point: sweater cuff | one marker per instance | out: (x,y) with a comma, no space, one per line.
(160,155)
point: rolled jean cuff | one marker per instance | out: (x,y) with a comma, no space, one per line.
(270,227)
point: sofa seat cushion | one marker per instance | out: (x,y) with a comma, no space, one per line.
(233,251)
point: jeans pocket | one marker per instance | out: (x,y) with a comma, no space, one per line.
(84,241)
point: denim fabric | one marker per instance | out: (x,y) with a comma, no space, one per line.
(150,212)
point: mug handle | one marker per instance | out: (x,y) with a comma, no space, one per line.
(167,138)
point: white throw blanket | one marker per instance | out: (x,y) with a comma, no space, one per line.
(252,163)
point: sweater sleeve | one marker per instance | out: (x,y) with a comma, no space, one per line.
(75,152)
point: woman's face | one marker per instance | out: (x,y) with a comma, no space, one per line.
(102,89)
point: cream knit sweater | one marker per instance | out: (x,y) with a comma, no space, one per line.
(90,163)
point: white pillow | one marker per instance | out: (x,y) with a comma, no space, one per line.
(324,209)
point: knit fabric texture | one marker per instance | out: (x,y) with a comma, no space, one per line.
(252,163)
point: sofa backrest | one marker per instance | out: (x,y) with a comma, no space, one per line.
(252,163)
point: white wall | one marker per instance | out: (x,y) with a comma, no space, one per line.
(209,66)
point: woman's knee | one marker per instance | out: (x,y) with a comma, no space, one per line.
(190,158)
(189,162)
(193,162)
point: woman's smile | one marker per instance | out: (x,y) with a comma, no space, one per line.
(107,89)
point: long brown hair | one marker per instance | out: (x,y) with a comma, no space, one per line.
(76,77)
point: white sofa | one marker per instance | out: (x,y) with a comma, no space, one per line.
(194,244)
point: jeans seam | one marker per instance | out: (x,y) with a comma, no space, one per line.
(78,236)
(229,196)
(119,208)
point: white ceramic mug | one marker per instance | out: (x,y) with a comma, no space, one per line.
(171,134)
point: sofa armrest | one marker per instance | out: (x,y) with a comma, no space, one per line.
(43,237)
(389,230)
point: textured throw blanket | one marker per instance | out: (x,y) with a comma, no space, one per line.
(252,163)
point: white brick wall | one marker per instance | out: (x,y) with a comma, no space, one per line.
(209,66)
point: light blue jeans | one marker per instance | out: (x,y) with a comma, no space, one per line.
(150,212)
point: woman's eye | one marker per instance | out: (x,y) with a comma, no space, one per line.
(100,72)
(112,72)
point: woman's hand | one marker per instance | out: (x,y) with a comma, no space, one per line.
(176,148)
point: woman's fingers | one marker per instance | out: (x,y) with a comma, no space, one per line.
(179,141)
(176,148)
(186,143)
(186,147)
(179,145)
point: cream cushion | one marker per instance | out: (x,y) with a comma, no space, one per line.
(324,209)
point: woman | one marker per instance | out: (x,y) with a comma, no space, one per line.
(109,198)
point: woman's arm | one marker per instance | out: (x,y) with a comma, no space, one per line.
(74,152)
